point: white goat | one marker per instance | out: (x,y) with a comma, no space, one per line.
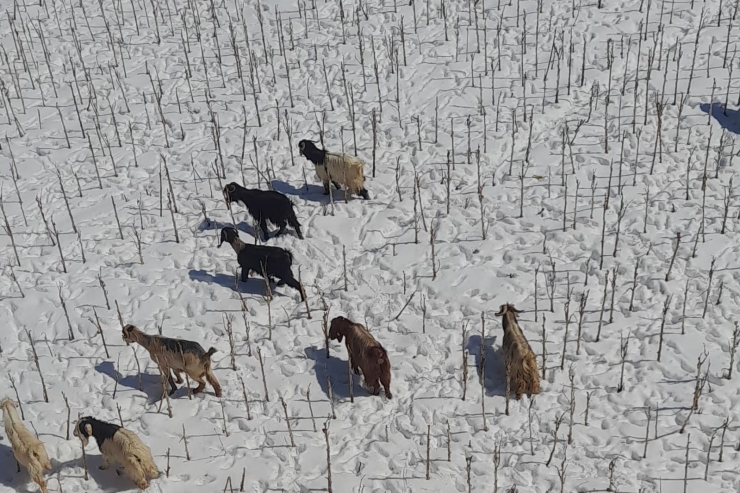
(28,450)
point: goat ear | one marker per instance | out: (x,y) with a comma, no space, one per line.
(501,311)
(231,188)
(88,429)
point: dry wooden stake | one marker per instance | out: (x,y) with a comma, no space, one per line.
(558,422)
(38,366)
(429,427)
(262,369)
(325,430)
(733,350)
(185,440)
(17,397)
(623,345)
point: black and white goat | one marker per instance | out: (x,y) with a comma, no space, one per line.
(339,169)
(121,446)
(273,262)
(264,205)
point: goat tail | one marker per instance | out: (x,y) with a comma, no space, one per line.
(209,353)
(42,459)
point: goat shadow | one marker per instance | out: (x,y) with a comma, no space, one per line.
(727,118)
(336,369)
(311,193)
(151,385)
(106,480)
(211,224)
(495,383)
(8,470)
(255,285)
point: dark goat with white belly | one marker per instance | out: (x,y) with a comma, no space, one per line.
(266,261)
(265,205)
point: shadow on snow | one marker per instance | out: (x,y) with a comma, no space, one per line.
(727,118)
(336,369)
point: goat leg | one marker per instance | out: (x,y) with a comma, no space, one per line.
(326,188)
(387,386)
(245,274)
(265,231)
(336,185)
(172,383)
(18,464)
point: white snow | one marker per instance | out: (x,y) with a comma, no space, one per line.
(187,288)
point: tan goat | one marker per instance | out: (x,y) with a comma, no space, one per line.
(177,355)
(27,449)
(365,353)
(518,355)
(121,446)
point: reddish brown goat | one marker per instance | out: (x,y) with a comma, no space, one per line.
(365,353)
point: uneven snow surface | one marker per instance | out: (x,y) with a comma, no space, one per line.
(548,111)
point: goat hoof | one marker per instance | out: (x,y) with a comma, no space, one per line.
(102,468)
(389,395)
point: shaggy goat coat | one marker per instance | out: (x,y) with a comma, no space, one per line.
(365,353)
(120,446)
(518,355)
(336,168)
(27,449)
(265,205)
(177,355)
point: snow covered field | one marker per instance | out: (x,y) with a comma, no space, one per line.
(583,92)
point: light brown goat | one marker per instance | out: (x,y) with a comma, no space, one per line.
(518,355)
(177,355)
(365,353)
(27,449)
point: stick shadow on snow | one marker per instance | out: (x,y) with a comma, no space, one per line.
(151,384)
(336,368)
(727,118)
(495,384)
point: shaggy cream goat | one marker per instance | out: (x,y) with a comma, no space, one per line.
(518,355)
(27,449)
(120,446)
(336,168)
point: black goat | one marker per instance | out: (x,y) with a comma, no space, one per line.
(273,262)
(264,205)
